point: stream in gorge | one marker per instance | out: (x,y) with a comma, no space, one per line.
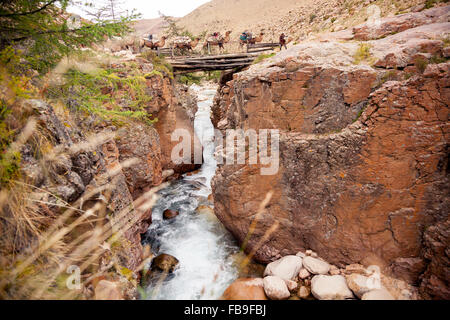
(206,251)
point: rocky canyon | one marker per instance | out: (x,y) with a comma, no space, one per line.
(363,150)
(95,206)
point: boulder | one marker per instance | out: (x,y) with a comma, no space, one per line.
(360,284)
(330,288)
(275,288)
(245,289)
(377,294)
(316,266)
(165,263)
(286,268)
(170,214)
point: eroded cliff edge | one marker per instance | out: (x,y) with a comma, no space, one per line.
(90,171)
(364,174)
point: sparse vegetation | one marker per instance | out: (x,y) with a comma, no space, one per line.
(198,77)
(362,54)
(436,59)
(106,94)
(263,57)
(9,159)
(160,65)
(421,64)
(431,3)
(390,75)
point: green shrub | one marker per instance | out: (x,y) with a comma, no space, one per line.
(9,160)
(87,90)
(362,54)
(421,64)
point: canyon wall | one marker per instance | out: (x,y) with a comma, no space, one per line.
(86,167)
(364,174)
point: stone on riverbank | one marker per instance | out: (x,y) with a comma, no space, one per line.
(286,268)
(170,214)
(316,266)
(359,284)
(165,262)
(330,288)
(245,289)
(275,288)
(378,294)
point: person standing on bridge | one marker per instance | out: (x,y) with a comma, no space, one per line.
(283,41)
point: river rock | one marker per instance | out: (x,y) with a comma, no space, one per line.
(316,266)
(275,288)
(286,268)
(330,288)
(334,271)
(291,285)
(303,274)
(378,294)
(245,289)
(165,263)
(359,284)
(304,292)
(170,214)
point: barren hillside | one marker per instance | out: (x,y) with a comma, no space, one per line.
(146,26)
(298,18)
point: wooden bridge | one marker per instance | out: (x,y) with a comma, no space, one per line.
(212,63)
(261,47)
(184,64)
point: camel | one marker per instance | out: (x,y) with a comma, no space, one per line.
(258,39)
(154,45)
(188,45)
(219,42)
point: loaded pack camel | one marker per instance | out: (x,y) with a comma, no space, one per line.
(218,41)
(187,45)
(154,45)
(258,39)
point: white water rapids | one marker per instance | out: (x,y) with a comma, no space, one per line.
(205,249)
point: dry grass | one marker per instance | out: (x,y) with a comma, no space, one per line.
(39,244)
(42,235)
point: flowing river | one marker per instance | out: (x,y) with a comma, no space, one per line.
(205,249)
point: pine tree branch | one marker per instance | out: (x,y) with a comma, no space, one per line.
(10,15)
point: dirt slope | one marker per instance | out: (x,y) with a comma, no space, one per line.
(298,18)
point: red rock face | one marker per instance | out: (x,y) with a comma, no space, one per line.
(174,109)
(361,192)
(141,143)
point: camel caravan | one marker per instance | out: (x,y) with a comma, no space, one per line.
(181,45)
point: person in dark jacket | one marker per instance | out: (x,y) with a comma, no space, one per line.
(283,41)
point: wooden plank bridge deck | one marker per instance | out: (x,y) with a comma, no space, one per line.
(211,63)
(261,47)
